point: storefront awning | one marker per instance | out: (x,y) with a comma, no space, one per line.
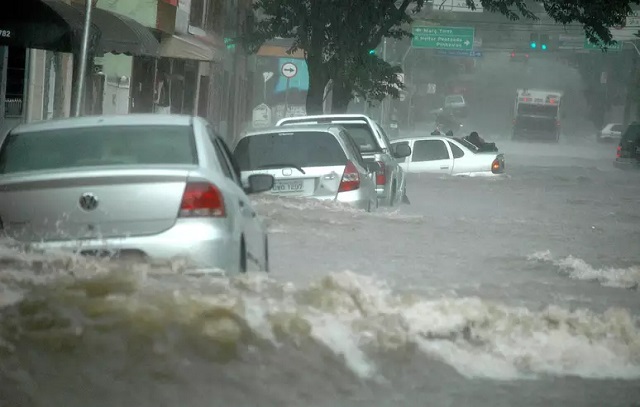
(187,46)
(56,26)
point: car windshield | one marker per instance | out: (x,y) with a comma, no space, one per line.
(293,149)
(454,99)
(97,146)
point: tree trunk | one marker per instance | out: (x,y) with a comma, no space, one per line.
(318,79)
(342,94)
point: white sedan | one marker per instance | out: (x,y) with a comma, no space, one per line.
(451,156)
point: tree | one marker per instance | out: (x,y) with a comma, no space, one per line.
(337,35)
(369,77)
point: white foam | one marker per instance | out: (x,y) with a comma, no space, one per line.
(578,269)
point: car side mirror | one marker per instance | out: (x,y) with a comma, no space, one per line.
(402,151)
(259,183)
(372,166)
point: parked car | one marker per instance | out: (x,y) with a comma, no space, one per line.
(456,105)
(149,186)
(445,155)
(519,56)
(628,151)
(319,161)
(612,131)
(374,146)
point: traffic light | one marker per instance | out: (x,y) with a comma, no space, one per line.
(533,41)
(372,52)
(544,42)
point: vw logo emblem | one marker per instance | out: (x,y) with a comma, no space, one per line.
(88,201)
(286,171)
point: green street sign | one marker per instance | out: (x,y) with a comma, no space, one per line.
(452,38)
(613,47)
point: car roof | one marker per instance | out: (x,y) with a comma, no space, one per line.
(108,120)
(328,128)
(346,116)
(396,140)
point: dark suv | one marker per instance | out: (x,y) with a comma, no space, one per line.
(628,153)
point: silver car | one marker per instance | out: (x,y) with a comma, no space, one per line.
(375,147)
(319,161)
(157,187)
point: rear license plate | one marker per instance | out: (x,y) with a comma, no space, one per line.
(288,186)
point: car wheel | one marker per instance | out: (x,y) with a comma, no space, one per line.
(266,255)
(392,198)
(243,256)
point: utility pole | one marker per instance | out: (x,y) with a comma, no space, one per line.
(82,66)
(632,89)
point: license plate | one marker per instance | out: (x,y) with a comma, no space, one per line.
(288,186)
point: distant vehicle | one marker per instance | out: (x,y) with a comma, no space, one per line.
(612,131)
(149,186)
(374,145)
(451,156)
(628,151)
(536,114)
(316,161)
(519,56)
(456,105)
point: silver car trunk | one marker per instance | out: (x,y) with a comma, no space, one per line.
(92,203)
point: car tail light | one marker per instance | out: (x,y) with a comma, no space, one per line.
(527,55)
(496,167)
(381,177)
(350,178)
(513,54)
(201,199)
(618,155)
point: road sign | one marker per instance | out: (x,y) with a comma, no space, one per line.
(459,53)
(289,70)
(455,38)
(261,116)
(431,88)
(267,75)
(613,47)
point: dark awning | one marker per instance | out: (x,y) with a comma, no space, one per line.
(43,24)
(56,26)
(123,35)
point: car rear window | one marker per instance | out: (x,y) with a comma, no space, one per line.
(363,136)
(301,149)
(97,146)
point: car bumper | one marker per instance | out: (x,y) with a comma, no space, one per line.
(357,199)
(198,245)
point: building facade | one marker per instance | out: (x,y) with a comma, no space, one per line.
(160,56)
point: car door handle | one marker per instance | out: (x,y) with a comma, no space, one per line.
(444,168)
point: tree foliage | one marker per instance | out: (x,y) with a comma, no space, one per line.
(336,35)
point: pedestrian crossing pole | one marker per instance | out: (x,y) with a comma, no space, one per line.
(82,66)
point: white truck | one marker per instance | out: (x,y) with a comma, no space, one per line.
(537,114)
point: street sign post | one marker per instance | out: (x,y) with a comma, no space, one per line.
(266,76)
(447,38)
(288,70)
